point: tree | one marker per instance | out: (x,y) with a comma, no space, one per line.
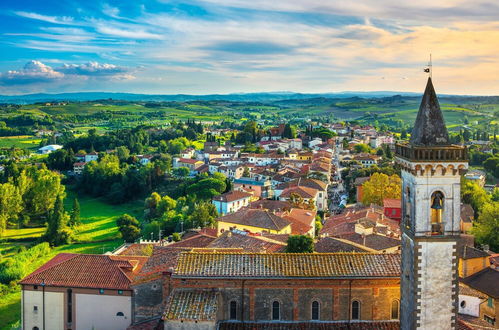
(300,244)
(181,171)
(403,134)
(486,228)
(388,152)
(207,188)
(246,172)
(289,131)
(128,226)
(379,187)
(123,153)
(74,218)
(10,205)
(57,233)
(361,148)
(203,216)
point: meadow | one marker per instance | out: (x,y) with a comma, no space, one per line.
(97,234)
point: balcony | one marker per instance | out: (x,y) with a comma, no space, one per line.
(433,153)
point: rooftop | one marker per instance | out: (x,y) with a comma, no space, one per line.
(287,265)
(232,196)
(87,271)
(482,281)
(256,218)
(311,325)
(195,305)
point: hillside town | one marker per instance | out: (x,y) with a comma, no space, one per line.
(336,226)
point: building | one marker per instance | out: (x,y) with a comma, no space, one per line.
(78,167)
(262,189)
(485,282)
(191,164)
(49,148)
(254,221)
(284,291)
(472,260)
(231,201)
(431,174)
(80,291)
(358,187)
(91,156)
(392,208)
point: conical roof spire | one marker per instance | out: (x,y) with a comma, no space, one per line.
(429,128)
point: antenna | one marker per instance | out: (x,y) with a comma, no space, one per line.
(429,68)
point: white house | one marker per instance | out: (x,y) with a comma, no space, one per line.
(91,156)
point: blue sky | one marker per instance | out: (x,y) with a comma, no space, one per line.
(229,46)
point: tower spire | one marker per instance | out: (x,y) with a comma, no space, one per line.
(429,127)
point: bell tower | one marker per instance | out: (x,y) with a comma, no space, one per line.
(431,175)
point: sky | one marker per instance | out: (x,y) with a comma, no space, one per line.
(243,46)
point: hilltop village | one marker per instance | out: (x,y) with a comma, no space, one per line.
(317,225)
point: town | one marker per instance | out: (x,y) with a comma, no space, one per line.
(253,226)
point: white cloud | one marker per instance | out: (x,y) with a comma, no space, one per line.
(33,72)
(45,18)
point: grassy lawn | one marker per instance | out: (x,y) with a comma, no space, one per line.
(22,141)
(97,234)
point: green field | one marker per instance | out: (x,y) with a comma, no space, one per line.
(97,234)
(23,141)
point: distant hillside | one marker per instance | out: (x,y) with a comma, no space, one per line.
(242,97)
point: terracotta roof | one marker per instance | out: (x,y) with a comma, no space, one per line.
(467,291)
(303,192)
(468,322)
(392,203)
(247,242)
(189,161)
(137,250)
(287,265)
(232,196)
(164,258)
(87,271)
(374,241)
(331,244)
(272,205)
(482,281)
(310,183)
(311,325)
(194,305)
(256,218)
(195,241)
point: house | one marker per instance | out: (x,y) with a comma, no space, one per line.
(191,164)
(322,197)
(144,159)
(367,160)
(91,156)
(476,176)
(307,194)
(314,142)
(187,153)
(467,217)
(471,261)
(485,282)
(80,157)
(392,208)
(78,167)
(231,201)
(80,291)
(254,221)
(261,189)
(48,149)
(302,221)
(358,187)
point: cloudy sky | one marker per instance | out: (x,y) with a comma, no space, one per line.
(229,46)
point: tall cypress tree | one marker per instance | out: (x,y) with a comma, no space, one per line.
(74,220)
(55,233)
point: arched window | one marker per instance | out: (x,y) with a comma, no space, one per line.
(315,310)
(276,310)
(233,310)
(120,314)
(436,209)
(395,309)
(355,310)
(35,328)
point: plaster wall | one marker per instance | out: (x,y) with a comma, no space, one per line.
(99,312)
(54,309)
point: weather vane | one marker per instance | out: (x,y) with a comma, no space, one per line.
(428,68)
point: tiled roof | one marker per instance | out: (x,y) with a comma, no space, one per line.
(310,183)
(189,161)
(256,218)
(232,196)
(164,258)
(137,250)
(286,265)
(330,244)
(392,203)
(482,281)
(247,242)
(304,325)
(87,271)
(468,322)
(304,192)
(469,252)
(194,241)
(374,241)
(272,205)
(467,291)
(194,305)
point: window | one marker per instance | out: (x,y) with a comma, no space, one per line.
(35,328)
(120,291)
(276,310)
(233,310)
(436,209)
(101,291)
(120,314)
(69,303)
(491,320)
(490,302)
(35,287)
(315,310)
(355,310)
(395,310)
(35,309)
(463,304)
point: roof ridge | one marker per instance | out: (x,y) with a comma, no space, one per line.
(42,268)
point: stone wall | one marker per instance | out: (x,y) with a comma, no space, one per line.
(149,300)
